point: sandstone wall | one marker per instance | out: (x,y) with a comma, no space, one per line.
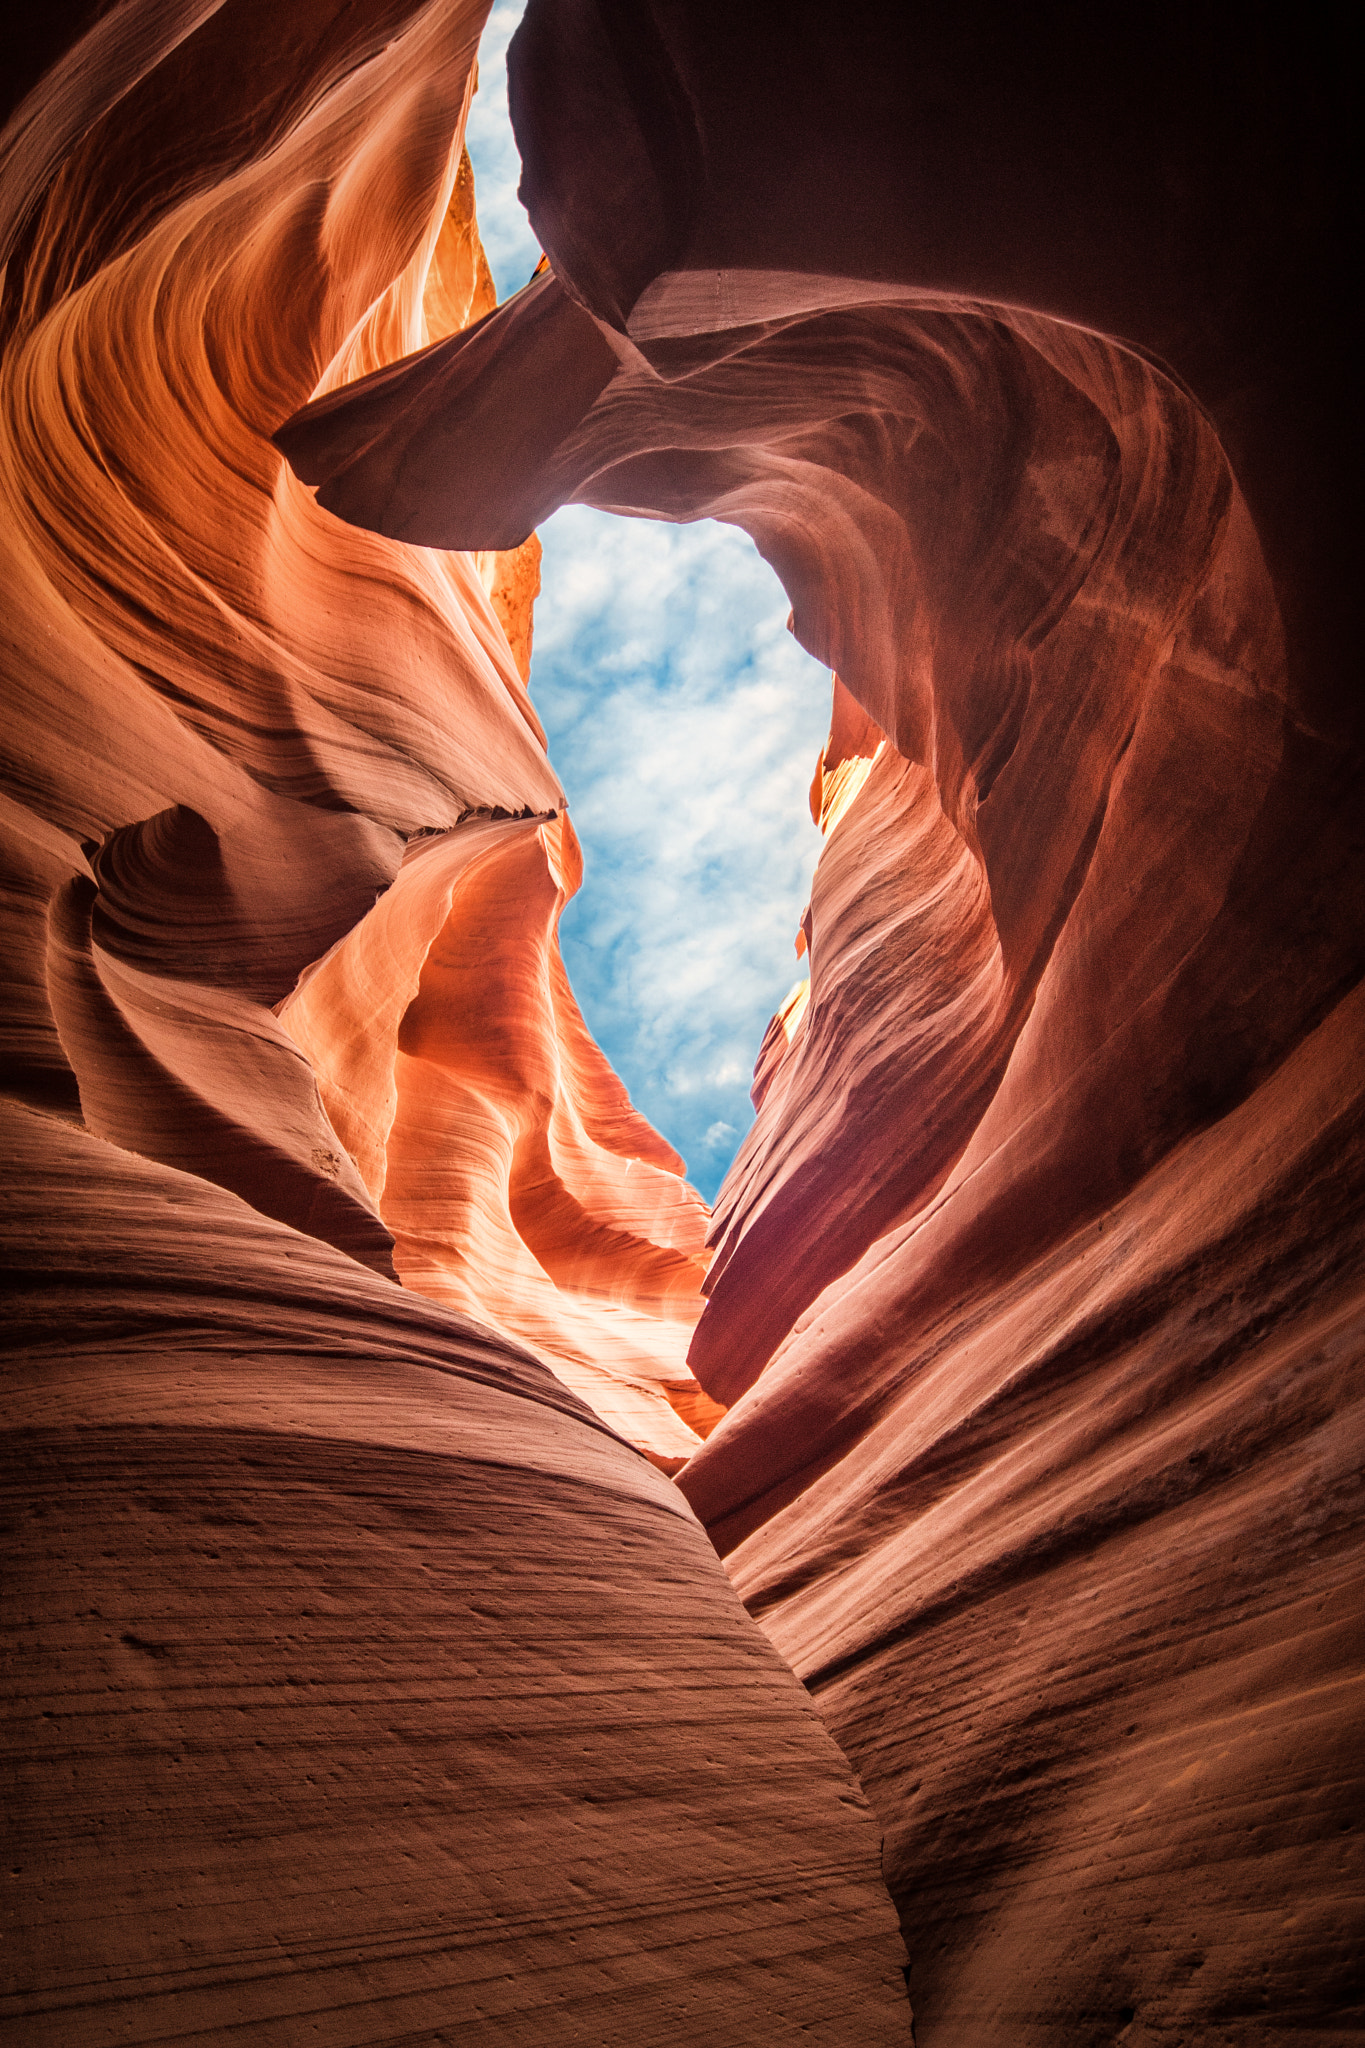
(361,1683)
(1036,1296)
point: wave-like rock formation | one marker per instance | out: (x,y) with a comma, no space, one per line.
(1037,1298)
(361,1686)
(362,1683)
(495,1141)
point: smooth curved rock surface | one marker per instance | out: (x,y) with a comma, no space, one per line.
(1074,1574)
(361,1684)
(495,1141)
(1038,1289)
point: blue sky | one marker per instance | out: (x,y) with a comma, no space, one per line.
(684,722)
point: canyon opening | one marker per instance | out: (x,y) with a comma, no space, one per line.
(460,1584)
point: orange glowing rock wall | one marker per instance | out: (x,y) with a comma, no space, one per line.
(495,1141)
(1015,341)
(361,1682)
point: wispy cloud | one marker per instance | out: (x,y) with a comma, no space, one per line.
(507,235)
(684,722)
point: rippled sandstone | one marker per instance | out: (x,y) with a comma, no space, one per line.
(362,1682)
(1016,343)
(495,1141)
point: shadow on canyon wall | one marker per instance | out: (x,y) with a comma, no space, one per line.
(366,1676)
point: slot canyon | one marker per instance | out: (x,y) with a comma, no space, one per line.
(459,1585)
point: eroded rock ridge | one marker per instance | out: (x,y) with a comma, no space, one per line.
(367,1679)
(1036,1294)
(362,1682)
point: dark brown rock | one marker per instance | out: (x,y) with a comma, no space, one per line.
(1017,346)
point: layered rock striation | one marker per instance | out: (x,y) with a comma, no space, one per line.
(362,1682)
(496,1142)
(1036,1296)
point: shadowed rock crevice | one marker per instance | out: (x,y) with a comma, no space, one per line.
(367,1681)
(1017,359)
(371,1678)
(151,966)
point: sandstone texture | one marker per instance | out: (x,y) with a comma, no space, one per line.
(1037,1298)
(496,1142)
(362,1683)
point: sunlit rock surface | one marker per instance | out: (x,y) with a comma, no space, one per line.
(494,1139)
(1037,1290)
(361,1683)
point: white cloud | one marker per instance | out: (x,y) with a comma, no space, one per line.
(507,235)
(684,721)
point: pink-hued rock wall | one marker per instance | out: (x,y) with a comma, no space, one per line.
(361,1682)
(496,1142)
(1015,341)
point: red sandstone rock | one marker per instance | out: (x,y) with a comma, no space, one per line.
(1042,1264)
(361,1682)
(496,1143)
